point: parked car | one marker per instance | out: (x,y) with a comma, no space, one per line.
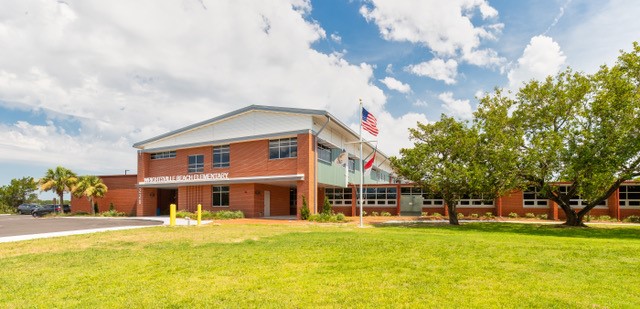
(47,209)
(26,209)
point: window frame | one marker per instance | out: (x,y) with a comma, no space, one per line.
(196,167)
(378,197)
(163,155)
(623,196)
(577,201)
(324,150)
(220,151)
(538,202)
(220,191)
(339,197)
(287,146)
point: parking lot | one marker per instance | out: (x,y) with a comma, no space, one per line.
(16,225)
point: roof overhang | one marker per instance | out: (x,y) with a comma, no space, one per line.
(172,182)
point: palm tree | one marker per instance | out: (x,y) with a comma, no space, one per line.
(60,180)
(91,187)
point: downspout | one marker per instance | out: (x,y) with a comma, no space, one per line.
(315,166)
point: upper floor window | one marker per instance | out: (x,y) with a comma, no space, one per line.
(283,148)
(196,164)
(221,156)
(352,165)
(163,155)
(324,153)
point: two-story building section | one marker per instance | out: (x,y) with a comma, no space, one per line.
(260,160)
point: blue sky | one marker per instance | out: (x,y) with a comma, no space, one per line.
(84,80)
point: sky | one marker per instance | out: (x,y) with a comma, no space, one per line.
(82,81)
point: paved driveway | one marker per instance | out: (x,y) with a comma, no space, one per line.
(27,225)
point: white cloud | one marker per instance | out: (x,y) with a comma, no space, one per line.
(128,71)
(436,69)
(599,33)
(541,58)
(420,103)
(336,38)
(456,108)
(389,69)
(445,27)
(396,85)
(394,132)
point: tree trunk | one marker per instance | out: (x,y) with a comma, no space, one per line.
(61,202)
(453,214)
(93,208)
(573,218)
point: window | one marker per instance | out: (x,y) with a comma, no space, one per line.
(339,196)
(220,196)
(576,201)
(352,165)
(163,155)
(220,156)
(324,153)
(629,196)
(379,196)
(429,199)
(477,201)
(196,164)
(283,148)
(532,198)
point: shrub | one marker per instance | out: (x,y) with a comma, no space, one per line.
(112,213)
(460,215)
(324,217)
(364,213)
(304,212)
(488,215)
(513,215)
(6,209)
(543,217)
(81,213)
(436,214)
(385,214)
(632,219)
(374,213)
(326,207)
(184,213)
(111,206)
(424,214)
(605,218)
(228,214)
(529,215)
(476,216)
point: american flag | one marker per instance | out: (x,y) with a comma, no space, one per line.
(369,122)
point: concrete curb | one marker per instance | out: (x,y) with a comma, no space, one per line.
(164,220)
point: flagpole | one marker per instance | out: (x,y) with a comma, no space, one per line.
(361,166)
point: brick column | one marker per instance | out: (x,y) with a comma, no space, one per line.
(554,210)
(306,165)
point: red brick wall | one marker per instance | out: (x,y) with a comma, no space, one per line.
(121,191)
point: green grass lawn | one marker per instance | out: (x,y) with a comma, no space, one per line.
(486,265)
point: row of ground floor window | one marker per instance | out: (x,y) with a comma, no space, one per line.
(264,200)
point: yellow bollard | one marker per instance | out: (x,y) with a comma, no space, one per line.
(199,213)
(172,215)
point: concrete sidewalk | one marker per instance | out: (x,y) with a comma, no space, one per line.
(163,220)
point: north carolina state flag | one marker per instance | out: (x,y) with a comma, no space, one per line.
(369,163)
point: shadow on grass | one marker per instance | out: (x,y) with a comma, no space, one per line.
(555,230)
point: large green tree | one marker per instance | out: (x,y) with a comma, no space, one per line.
(575,128)
(19,191)
(58,180)
(444,161)
(90,187)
